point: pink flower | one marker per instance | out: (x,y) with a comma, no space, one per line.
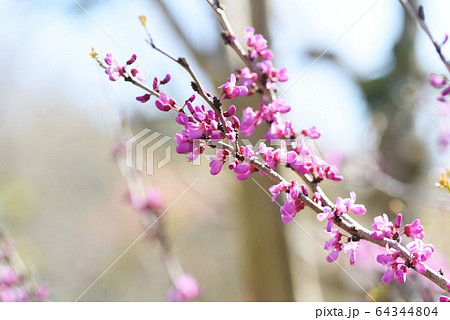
(395,269)
(231,111)
(132,59)
(8,276)
(185,289)
(350,248)
(437,81)
(164,103)
(288,211)
(243,170)
(137,73)
(276,189)
(358,209)
(444,299)
(332,173)
(114,71)
(333,255)
(231,90)
(166,79)
(327,214)
(420,252)
(143,98)
(216,163)
(382,227)
(414,230)
(250,119)
(184,145)
(14,294)
(334,245)
(311,132)
(257,45)
(270,156)
(247,78)
(398,221)
(292,205)
(270,111)
(155,200)
(348,204)
(41,293)
(247,152)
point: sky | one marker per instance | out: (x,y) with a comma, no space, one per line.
(46,44)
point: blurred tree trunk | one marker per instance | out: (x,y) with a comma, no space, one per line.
(402,153)
(264,250)
(267,262)
(393,95)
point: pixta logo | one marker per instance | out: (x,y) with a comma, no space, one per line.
(141,149)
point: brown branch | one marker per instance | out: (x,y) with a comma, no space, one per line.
(213,102)
(420,20)
(231,40)
(135,187)
(345,222)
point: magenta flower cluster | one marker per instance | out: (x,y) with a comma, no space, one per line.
(115,70)
(153,201)
(442,82)
(203,125)
(334,244)
(210,127)
(419,252)
(13,284)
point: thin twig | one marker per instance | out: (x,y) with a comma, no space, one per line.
(345,222)
(231,40)
(420,20)
(212,101)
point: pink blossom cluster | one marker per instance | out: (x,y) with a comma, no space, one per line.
(115,70)
(440,82)
(153,201)
(259,52)
(334,244)
(292,204)
(204,128)
(261,55)
(184,289)
(204,125)
(419,252)
(341,207)
(13,286)
(443,83)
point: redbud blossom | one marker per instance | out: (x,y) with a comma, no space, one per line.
(185,289)
(414,230)
(143,98)
(382,227)
(437,81)
(311,132)
(231,90)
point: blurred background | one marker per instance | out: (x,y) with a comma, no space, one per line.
(62,198)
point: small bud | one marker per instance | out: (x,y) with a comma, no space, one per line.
(132,59)
(398,221)
(155,84)
(143,98)
(93,53)
(143,20)
(421,13)
(166,79)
